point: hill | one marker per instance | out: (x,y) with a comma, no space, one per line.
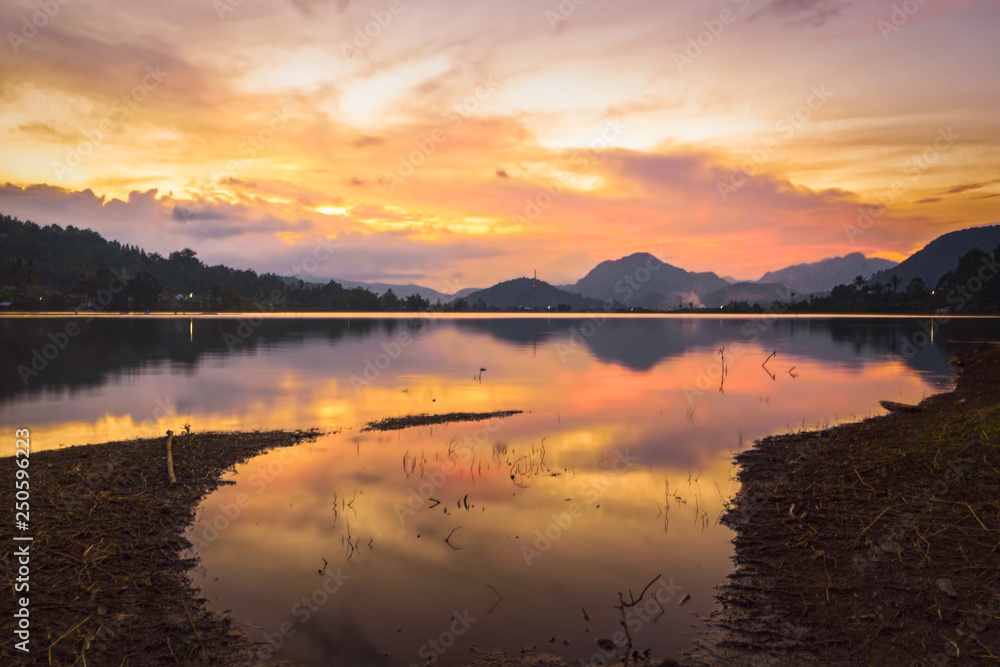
(941,255)
(522,293)
(643,280)
(824,275)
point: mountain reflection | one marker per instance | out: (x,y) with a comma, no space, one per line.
(109,347)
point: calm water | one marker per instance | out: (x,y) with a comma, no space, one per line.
(617,471)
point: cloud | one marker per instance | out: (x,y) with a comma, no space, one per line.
(249,237)
(307,6)
(812,13)
(958,189)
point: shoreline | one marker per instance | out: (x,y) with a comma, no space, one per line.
(872,542)
(108,582)
(473,315)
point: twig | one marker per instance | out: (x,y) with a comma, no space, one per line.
(446,540)
(170,458)
(876,518)
(499,600)
(977,518)
(204,653)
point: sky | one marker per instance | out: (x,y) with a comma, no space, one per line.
(456,144)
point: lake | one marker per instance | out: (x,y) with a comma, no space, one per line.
(430,543)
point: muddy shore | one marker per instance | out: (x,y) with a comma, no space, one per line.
(872,543)
(108,584)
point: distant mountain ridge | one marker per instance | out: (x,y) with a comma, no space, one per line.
(58,268)
(941,255)
(642,280)
(404,291)
(824,275)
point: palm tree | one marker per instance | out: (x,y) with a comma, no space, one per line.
(859,283)
(894,282)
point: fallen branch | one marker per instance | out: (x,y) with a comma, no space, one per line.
(170,458)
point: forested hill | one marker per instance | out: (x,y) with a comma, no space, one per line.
(56,268)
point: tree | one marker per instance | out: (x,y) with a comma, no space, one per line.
(916,287)
(185,256)
(894,282)
(416,302)
(859,282)
(389,301)
(144,291)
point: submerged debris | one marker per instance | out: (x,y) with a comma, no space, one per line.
(892,406)
(397,423)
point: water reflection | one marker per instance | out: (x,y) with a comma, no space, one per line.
(127,377)
(617,471)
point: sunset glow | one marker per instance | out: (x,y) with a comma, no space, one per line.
(458,144)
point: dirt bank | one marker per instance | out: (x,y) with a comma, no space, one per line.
(871,543)
(107,582)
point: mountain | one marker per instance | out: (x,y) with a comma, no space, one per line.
(941,255)
(760,293)
(643,280)
(826,274)
(522,293)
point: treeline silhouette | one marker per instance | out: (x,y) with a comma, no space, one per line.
(54,268)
